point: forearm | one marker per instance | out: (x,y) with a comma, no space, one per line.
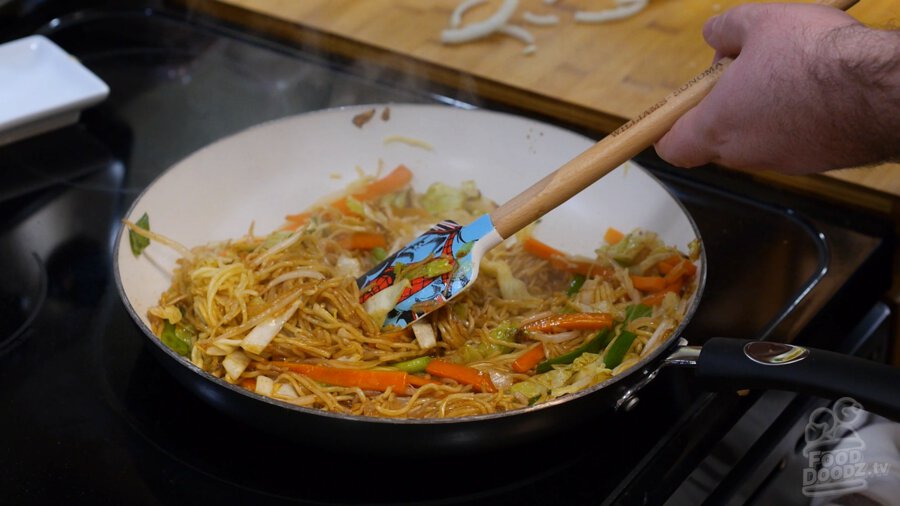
(857,73)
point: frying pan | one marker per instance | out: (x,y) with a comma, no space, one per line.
(260,175)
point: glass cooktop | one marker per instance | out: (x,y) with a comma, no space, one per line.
(92,417)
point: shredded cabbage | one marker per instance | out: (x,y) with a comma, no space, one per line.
(584,371)
(264,385)
(475,351)
(235,363)
(440,198)
(628,251)
(349,266)
(511,287)
(424,335)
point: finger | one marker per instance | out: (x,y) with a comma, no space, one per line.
(685,144)
(727,32)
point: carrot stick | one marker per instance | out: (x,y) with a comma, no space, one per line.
(295,221)
(685,268)
(342,206)
(559,259)
(462,374)
(419,381)
(299,217)
(395,180)
(362,240)
(541,250)
(583,268)
(654,299)
(363,378)
(398,336)
(675,273)
(570,321)
(613,236)
(665,266)
(249,383)
(689,268)
(676,286)
(529,359)
(648,283)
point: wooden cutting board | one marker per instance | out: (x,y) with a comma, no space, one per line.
(614,70)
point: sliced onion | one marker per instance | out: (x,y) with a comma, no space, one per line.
(226,345)
(349,266)
(286,390)
(624,10)
(456,17)
(537,316)
(517,32)
(625,279)
(424,335)
(540,19)
(559,337)
(651,343)
(482,28)
(217,351)
(379,305)
(235,363)
(264,385)
(285,243)
(262,334)
(500,380)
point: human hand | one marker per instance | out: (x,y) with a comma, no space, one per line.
(810,89)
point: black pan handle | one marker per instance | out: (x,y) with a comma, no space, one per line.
(733,364)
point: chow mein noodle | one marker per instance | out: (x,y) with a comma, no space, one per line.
(279,314)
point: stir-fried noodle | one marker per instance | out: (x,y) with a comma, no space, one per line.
(279,314)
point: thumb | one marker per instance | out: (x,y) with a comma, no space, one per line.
(727,32)
(684,145)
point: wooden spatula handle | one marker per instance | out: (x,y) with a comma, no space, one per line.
(611,151)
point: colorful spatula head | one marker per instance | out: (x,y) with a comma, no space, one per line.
(428,272)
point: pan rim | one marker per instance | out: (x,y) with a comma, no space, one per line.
(641,365)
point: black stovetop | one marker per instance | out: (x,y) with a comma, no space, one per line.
(91,417)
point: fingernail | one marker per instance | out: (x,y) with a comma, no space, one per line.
(708,26)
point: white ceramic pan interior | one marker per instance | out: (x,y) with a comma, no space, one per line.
(282,167)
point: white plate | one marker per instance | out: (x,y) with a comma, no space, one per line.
(282,167)
(43,88)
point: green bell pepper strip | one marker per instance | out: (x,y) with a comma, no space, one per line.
(618,349)
(575,285)
(600,341)
(414,365)
(139,242)
(179,339)
(593,346)
(379,253)
(635,311)
(426,269)
(624,338)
